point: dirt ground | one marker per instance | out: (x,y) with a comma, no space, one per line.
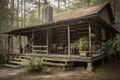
(108,71)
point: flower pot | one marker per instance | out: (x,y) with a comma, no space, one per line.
(84,53)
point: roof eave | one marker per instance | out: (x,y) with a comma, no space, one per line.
(41,26)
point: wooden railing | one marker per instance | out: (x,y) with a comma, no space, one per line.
(40,49)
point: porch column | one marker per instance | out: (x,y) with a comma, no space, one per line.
(90,49)
(89,64)
(32,41)
(5,42)
(11,45)
(20,44)
(9,42)
(89,67)
(68,28)
(47,42)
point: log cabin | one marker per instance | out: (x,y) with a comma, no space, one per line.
(54,38)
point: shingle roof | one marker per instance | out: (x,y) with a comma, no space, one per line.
(79,12)
(64,17)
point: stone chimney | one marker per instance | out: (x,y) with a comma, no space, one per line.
(47,14)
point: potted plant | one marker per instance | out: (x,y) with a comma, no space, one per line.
(82,45)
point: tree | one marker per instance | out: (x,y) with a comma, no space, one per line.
(12,14)
(24,13)
(38,10)
(17,13)
(4,23)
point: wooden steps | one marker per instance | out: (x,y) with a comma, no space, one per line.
(57,62)
(13,66)
(16,61)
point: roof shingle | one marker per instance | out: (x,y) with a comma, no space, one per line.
(79,12)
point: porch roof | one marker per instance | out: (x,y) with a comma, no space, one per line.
(66,18)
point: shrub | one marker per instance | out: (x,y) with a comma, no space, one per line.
(35,64)
(114,44)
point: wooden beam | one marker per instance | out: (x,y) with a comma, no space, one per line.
(90,48)
(32,41)
(20,43)
(35,46)
(5,42)
(9,43)
(68,28)
(47,41)
(20,40)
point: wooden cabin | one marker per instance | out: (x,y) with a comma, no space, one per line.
(55,37)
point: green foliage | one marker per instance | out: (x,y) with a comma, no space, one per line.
(82,44)
(32,18)
(3,56)
(35,64)
(114,44)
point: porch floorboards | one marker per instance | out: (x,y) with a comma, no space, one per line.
(66,57)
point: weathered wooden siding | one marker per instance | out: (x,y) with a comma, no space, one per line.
(40,38)
(105,15)
(61,35)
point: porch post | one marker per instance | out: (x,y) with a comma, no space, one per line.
(47,41)
(68,28)
(89,64)
(9,37)
(11,45)
(90,49)
(20,44)
(5,42)
(32,41)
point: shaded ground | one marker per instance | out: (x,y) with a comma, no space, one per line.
(104,72)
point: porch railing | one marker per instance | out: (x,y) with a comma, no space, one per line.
(40,49)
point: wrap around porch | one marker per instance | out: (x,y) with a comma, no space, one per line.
(58,40)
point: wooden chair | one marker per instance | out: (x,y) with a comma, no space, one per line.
(72,46)
(60,48)
(54,46)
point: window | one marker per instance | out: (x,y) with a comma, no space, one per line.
(72,36)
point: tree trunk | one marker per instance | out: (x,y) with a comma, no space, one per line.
(21,13)
(58,6)
(24,13)
(12,15)
(18,13)
(38,11)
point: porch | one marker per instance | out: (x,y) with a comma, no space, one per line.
(64,61)
(74,58)
(57,43)
(56,40)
